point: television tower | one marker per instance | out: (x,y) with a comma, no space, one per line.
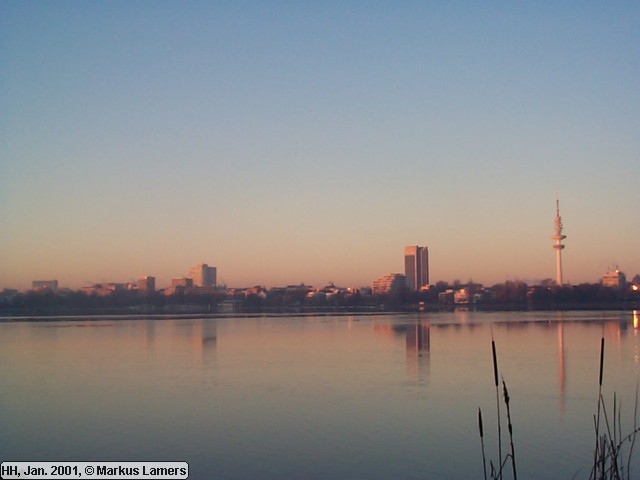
(558,246)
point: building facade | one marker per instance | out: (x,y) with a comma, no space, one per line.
(416,266)
(614,279)
(203,275)
(389,283)
(147,284)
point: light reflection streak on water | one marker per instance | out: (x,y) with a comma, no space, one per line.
(636,356)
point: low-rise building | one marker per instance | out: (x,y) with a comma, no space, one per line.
(41,285)
(614,279)
(104,289)
(389,283)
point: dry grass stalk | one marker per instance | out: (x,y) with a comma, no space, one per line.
(497,470)
(510,427)
(495,376)
(596,452)
(608,450)
(481,430)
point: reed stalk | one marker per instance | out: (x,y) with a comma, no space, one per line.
(481,430)
(611,450)
(510,427)
(608,463)
(633,435)
(597,452)
(495,377)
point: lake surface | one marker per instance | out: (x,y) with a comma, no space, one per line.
(324,397)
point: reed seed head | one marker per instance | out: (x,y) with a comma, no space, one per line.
(505,392)
(601,361)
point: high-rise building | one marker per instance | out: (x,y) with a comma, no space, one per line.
(416,266)
(147,284)
(179,285)
(203,275)
(182,282)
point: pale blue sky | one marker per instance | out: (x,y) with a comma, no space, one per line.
(311,141)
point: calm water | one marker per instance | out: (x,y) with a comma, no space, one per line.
(360,397)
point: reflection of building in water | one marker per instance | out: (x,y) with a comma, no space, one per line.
(417,341)
(418,337)
(461,315)
(196,339)
(209,336)
(150,332)
(208,333)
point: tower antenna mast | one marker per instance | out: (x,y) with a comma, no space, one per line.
(558,245)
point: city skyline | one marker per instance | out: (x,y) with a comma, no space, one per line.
(416,265)
(305,143)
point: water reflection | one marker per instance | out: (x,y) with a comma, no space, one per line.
(209,340)
(636,353)
(315,397)
(417,340)
(561,365)
(418,346)
(151,332)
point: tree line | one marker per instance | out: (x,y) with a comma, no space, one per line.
(510,294)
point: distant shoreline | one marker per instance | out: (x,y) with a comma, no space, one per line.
(47,315)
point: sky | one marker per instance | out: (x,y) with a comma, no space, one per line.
(287,142)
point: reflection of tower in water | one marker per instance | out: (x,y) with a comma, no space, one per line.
(636,324)
(561,361)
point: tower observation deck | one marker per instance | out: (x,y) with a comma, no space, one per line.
(558,245)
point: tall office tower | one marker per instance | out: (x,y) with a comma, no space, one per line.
(147,284)
(558,246)
(416,266)
(203,275)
